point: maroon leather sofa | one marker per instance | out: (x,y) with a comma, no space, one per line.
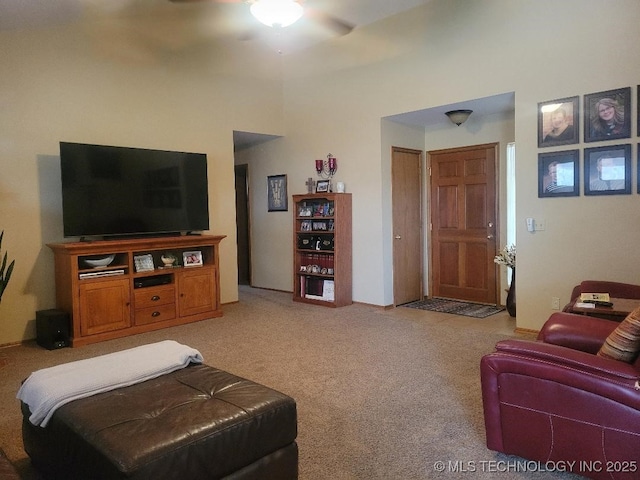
(554,400)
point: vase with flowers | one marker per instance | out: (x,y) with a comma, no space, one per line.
(508,257)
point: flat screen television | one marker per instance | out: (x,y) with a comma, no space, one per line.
(121,191)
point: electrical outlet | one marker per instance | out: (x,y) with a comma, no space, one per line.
(555,303)
(540,224)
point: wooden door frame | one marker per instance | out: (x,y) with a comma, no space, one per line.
(429,252)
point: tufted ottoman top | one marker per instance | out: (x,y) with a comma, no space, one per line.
(198,422)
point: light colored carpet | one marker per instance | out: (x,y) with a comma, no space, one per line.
(381,394)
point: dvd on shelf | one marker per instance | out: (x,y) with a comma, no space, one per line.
(102,273)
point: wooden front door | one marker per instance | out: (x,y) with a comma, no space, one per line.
(463,223)
(407,225)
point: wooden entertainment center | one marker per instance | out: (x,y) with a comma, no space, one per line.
(135,293)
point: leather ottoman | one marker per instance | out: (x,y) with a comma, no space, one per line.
(195,423)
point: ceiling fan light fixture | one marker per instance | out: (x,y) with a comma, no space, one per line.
(458,116)
(276,13)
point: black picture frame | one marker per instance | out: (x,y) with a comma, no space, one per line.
(638,169)
(558,122)
(559,174)
(612,178)
(277,197)
(322,186)
(614,103)
(638,112)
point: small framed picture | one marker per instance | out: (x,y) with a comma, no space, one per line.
(558,122)
(192,258)
(607,170)
(277,200)
(558,174)
(143,263)
(607,115)
(322,186)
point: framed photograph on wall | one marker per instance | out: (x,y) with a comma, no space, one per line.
(558,122)
(607,115)
(607,170)
(558,174)
(638,111)
(277,200)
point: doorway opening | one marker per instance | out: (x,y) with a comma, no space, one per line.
(243,224)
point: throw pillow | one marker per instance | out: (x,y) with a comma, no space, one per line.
(624,342)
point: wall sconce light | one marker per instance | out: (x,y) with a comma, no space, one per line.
(458,116)
(327,168)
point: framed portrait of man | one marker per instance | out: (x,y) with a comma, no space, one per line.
(607,115)
(558,174)
(558,122)
(607,170)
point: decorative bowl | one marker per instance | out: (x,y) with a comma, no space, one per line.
(168,259)
(99,261)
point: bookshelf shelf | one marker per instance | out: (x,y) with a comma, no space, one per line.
(322,255)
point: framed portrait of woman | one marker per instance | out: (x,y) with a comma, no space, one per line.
(607,170)
(607,115)
(558,122)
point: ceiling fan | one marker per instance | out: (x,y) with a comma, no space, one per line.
(282,13)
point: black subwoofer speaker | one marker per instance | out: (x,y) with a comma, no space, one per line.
(53,329)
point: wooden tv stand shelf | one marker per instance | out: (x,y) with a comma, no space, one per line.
(123,298)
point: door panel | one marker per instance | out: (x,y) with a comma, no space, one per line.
(463,223)
(407,225)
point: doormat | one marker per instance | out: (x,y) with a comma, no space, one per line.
(455,307)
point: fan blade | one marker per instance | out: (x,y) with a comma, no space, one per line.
(339,26)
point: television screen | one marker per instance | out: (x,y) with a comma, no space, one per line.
(108,190)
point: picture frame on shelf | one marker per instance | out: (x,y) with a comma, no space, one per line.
(144,263)
(558,122)
(192,258)
(607,170)
(305,211)
(607,115)
(558,174)
(277,198)
(322,186)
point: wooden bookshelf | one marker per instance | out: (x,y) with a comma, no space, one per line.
(322,255)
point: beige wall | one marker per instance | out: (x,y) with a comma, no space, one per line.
(61,84)
(337,94)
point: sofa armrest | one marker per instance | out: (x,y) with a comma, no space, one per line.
(577,360)
(531,386)
(578,332)
(615,289)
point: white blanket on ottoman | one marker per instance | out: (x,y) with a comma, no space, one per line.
(47,389)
